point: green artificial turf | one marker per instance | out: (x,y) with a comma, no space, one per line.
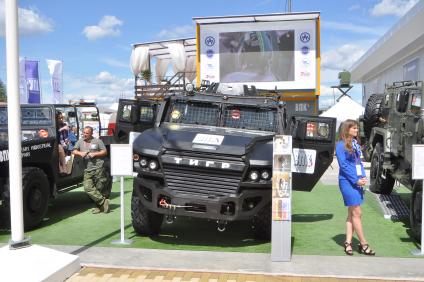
(318,227)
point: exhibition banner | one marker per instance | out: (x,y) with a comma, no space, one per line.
(56,73)
(32,82)
(23,93)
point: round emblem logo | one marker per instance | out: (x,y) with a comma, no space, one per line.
(209,53)
(209,41)
(305,37)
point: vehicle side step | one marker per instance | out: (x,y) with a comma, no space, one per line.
(392,206)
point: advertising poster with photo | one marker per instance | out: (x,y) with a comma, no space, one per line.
(269,55)
(282,178)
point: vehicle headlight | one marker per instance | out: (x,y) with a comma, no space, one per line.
(265,175)
(323,130)
(136,157)
(143,162)
(254,175)
(153,165)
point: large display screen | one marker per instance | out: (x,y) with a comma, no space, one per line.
(268,55)
(262,56)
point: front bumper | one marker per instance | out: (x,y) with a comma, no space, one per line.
(243,206)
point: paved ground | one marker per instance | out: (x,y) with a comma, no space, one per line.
(111,274)
(357,266)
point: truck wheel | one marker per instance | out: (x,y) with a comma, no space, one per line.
(372,113)
(262,223)
(415,210)
(36,194)
(378,184)
(144,221)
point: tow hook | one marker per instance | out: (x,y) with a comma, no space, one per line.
(222,225)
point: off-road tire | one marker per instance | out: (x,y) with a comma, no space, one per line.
(415,209)
(144,221)
(262,223)
(372,113)
(35,196)
(378,184)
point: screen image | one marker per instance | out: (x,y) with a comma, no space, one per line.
(261,56)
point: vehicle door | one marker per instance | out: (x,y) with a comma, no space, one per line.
(398,121)
(74,166)
(134,116)
(412,117)
(313,148)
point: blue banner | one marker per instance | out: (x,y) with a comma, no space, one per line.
(33,84)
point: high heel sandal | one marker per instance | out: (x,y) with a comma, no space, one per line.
(348,252)
(366,250)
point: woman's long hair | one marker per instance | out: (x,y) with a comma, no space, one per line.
(344,133)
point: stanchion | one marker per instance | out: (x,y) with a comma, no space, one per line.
(121,165)
(281,198)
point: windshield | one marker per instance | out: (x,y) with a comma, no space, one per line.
(30,116)
(251,118)
(194,113)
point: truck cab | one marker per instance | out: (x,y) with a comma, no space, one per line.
(42,179)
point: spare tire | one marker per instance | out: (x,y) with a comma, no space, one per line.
(372,113)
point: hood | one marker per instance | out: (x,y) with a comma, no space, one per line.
(198,138)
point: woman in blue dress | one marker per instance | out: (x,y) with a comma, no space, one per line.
(352,179)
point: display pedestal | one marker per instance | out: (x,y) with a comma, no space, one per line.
(36,263)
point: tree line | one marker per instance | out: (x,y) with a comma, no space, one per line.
(3,96)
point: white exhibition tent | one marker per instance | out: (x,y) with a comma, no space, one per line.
(344,109)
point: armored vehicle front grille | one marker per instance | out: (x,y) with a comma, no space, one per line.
(204,182)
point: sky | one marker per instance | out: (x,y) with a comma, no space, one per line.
(93,38)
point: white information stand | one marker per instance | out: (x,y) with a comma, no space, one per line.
(418,174)
(281,198)
(121,157)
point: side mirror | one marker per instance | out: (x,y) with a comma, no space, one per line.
(134,115)
(297,129)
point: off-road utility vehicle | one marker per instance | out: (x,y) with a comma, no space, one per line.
(392,123)
(210,156)
(41,179)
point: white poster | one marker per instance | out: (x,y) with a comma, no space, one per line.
(278,54)
(23,92)
(56,71)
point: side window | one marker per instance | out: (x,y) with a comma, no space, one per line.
(402,101)
(126,113)
(147,113)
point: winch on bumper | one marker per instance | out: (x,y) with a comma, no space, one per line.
(230,207)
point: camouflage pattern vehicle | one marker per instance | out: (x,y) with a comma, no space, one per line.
(210,156)
(392,123)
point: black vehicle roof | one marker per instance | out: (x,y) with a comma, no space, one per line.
(258,101)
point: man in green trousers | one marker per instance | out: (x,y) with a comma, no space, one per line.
(93,151)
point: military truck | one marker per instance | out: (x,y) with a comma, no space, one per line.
(392,123)
(210,156)
(41,179)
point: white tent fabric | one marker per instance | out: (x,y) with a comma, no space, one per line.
(191,68)
(161,68)
(178,56)
(139,60)
(344,109)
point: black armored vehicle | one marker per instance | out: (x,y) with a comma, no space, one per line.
(210,156)
(41,178)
